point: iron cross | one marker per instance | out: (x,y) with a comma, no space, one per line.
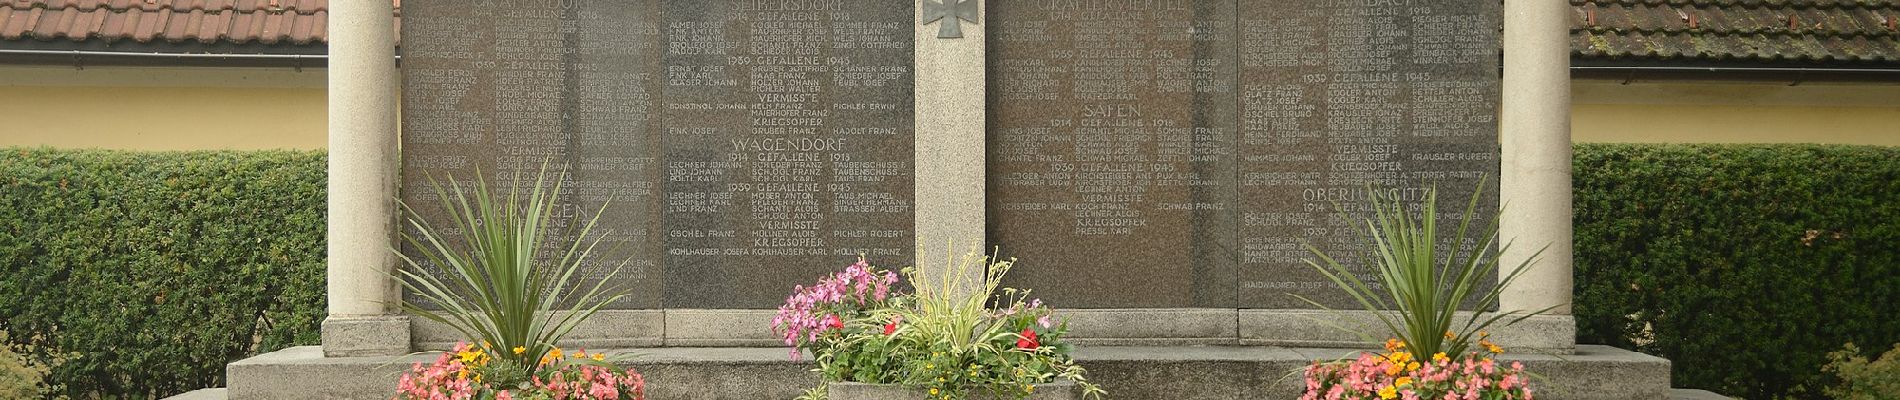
(952,9)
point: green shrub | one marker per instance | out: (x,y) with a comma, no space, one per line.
(1860,379)
(153,270)
(1743,264)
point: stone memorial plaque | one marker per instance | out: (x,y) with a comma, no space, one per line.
(1179,153)
(1338,97)
(741,147)
(506,87)
(788,143)
(1111,150)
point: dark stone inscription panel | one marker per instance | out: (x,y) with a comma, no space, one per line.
(1339,95)
(1155,153)
(1111,153)
(788,146)
(744,146)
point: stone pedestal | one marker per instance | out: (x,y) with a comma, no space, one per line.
(1127,372)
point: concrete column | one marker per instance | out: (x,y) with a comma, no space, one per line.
(362,168)
(950,87)
(1535,136)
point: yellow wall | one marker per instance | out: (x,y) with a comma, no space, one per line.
(149,108)
(144,108)
(1652,112)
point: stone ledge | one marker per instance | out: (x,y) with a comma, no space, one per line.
(385,335)
(690,327)
(201,394)
(1695,394)
(605,329)
(1151,327)
(1553,334)
(1144,372)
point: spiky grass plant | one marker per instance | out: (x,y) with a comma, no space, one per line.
(1425,286)
(501,282)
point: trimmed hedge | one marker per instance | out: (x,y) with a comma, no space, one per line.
(1743,264)
(156,269)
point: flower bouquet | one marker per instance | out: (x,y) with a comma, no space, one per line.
(1397,374)
(470,372)
(509,280)
(1424,279)
(953,338)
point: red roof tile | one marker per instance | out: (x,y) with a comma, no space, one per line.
(1823,31)
(240,22)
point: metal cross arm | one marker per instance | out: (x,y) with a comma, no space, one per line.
(954,9)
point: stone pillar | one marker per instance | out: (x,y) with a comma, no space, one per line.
(362,187)
(950,87)
(1535,139)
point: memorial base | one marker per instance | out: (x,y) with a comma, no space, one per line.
(1127,372)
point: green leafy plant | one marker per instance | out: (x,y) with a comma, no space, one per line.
(964,343)
(503,282)
(958,334)
(1682,250)
(1425,275)
(1861,379)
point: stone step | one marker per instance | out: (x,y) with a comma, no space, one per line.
(1695,394)
(1127,372)
(201,394)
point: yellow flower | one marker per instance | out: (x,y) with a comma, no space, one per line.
(929,365)
(1412,366)
(556,353)
(599,357)
(519,350)
(933,391)
(1388,392)
(1450,336)
(1393,345)
(1402,381)
(1029,388)
(1440,358)
(1491,347)
(1400,357)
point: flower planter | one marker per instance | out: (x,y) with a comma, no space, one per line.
(1060,390)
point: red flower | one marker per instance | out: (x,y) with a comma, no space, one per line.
(890,328)
(1028,342)
(834,322)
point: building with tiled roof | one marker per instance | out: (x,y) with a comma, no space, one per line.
(221,32)
(164,74)
(1736,70)
(1644,71)
(1851,39)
